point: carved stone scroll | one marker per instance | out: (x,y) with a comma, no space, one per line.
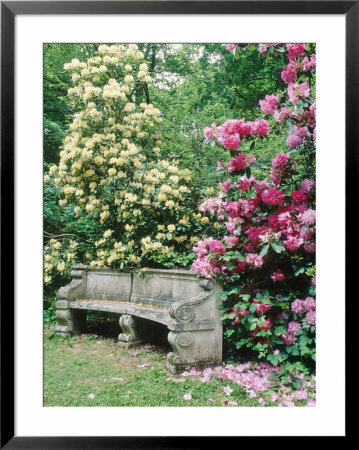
(131,333)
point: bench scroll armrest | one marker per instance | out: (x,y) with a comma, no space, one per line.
(77,287)
(183,310)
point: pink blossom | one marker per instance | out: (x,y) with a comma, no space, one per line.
(281,160)
(293,328)
(307,185)
(226,185)
(227,390)
(293,243)
(293,140)
(284,114)
(260,127)
(232,142)
(288,339)
(211,400)
(313,61)
(240,267)
(310,317)
(302,132)
(306,64)
(261,400)
(277,276)
(274,397)
(297,91)
(254,259)
(289,73)
(251,158)
(295,50)
(230,47)
(210,132)
(297,306)
(263,47)
(188,396)
(310,247)
(203,268)
(309,303)
(237,163)
(266,324)
(311,402)
(216,246)
(262,308)
(232,403)
(298,196)
(308,217)
(301,394)
(273,196)
(270,104)
(261,186)
(245,183)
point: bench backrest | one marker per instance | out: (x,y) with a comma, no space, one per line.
(152,286)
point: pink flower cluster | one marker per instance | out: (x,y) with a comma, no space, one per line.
(296,91)
(289,224)
(307,306)
(277,275)
(270,104)
(231,133)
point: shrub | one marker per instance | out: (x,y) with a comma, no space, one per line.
(125,205)
(266,253)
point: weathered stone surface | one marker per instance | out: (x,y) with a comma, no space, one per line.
(178,299)
(109,285)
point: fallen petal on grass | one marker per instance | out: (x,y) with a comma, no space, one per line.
(91,396)
(188,396)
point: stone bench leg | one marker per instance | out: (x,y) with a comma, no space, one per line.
(131,335)
(198,348)
(70,321)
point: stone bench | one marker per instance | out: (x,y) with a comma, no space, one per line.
(187,306)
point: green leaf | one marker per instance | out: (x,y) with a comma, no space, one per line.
(290,125)
(280,330)
(253,326)
(277,247)
(264,251)
(299,270)
(229,333)
(304,351)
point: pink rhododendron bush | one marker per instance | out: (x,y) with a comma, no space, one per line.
(265,248)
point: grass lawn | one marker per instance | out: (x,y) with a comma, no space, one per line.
(77,367)
(87,370)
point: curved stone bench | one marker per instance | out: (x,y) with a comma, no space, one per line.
(187,306)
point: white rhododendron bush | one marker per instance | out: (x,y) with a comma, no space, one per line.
(129,206)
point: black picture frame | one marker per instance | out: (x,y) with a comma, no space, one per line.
(9,10)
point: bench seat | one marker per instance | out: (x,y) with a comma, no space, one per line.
(177,299)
